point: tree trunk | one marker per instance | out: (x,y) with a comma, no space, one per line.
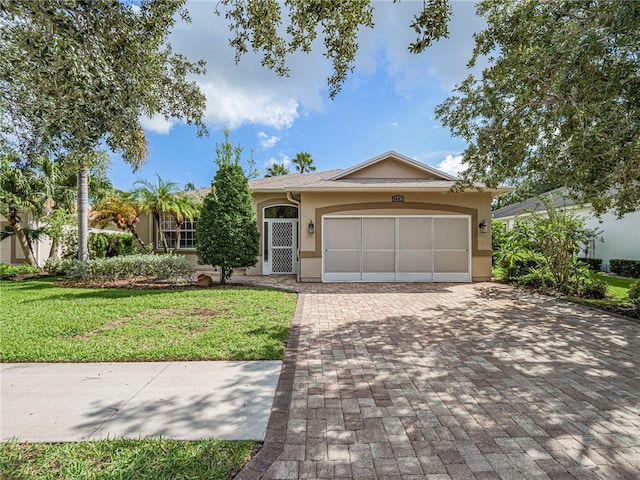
(161,233)
(134,232)
(223,277)
(25,244)
(53,251)
(83,213)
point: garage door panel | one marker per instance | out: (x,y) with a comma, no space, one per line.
(451,262)
(451,233)
(343,233)
(342,261)
(414,233)
(378,261)
(415,261)
(378,234)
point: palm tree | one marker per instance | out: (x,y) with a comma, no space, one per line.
(304,162)
(186,208)
(122,210)
(158,200)
(23,188)
(276,170)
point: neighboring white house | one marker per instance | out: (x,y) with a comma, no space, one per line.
(618,238)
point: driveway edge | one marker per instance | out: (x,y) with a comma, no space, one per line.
(276,429)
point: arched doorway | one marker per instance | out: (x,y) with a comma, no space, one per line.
(280,239)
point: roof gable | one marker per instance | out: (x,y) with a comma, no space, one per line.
(391,165)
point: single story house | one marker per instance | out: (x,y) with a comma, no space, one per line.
(388,219)
(618,237)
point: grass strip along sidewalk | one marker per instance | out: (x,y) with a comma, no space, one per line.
(45,322)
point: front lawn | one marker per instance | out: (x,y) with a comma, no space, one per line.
(46,322)
(125,459)
(617,300)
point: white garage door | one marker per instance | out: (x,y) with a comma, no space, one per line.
(397,249)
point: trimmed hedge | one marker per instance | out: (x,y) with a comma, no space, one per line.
(626,268)
(133,267)
(17,272)
(595,264)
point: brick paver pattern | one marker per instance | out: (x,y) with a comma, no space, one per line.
(473,381)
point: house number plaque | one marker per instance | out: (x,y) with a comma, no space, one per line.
(397,198)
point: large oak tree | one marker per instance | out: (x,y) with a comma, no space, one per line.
(559,101)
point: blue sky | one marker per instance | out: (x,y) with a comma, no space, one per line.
(387,103)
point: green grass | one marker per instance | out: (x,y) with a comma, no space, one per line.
(45,322)
(617,288)
(124,459)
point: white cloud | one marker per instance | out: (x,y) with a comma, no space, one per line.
(452,165)
(266,141)
(445,61)
(248,93)
(394,124)
(157,124)
(284,160)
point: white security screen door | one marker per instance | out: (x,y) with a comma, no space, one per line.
(280,246)
(402,248)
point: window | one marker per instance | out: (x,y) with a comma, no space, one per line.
(187,233)
(281,211)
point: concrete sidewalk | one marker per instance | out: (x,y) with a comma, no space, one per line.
(60,402)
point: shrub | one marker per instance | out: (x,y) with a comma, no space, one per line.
(626,268)
(104,245)
(534,279)
(17,272)
(591,288)
(595,264)
(58,266)
(132,267)
(634,293)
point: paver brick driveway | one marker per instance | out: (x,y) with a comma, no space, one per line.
(474,381)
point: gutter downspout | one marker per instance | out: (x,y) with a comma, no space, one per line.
(293,200)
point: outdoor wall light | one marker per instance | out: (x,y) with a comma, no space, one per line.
(483,226)
(311,228)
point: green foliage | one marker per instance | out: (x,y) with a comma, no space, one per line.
(257,26)
(498,237)
(634,293)
(535,279)
(109,72)
(43,321)
(595,264)
(17,272)
(304,162)
(133,267)
(104,245)
(57,267)
(544,245)
(226,235)
(559,101)
(626,268)
(148,459)
(24,189)
(276,170)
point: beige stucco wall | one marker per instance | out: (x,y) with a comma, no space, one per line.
(314,205)
(390,168)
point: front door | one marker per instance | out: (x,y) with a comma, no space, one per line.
(280,246)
